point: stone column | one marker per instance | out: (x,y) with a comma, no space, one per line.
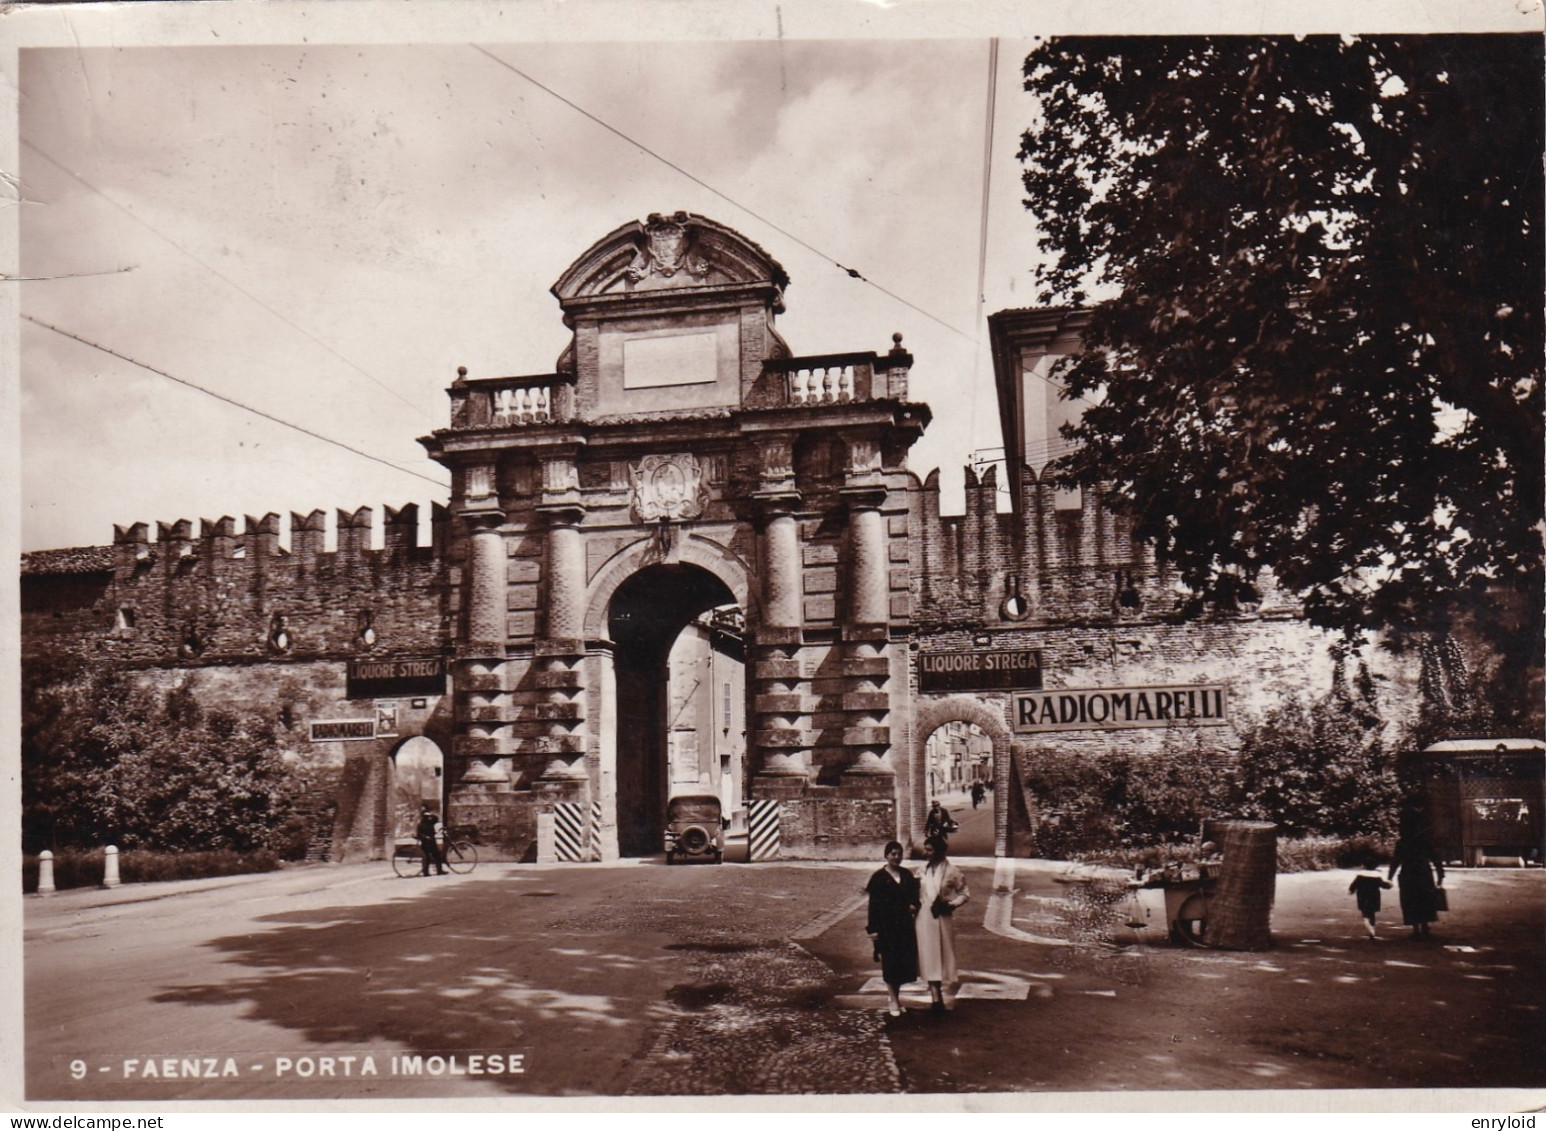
(781,589)
(486,620)
(566,575)
(777,500)
(869,588)
(601,663)
(782,733)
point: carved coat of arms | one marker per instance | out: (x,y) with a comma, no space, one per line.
(668,249)
(667,487)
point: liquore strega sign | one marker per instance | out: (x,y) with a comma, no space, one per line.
(1114,708)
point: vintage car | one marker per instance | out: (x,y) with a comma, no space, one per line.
(695,828)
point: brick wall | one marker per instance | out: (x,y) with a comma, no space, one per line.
(222,597)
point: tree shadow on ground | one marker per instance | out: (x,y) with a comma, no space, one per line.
(428,976)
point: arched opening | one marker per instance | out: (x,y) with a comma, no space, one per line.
(982,726)
(958,760)
(680,696)
(418,778)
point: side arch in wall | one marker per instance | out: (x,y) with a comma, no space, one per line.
(932,713)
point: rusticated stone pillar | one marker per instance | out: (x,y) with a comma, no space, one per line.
(781,563)
(783,733)
(560,653)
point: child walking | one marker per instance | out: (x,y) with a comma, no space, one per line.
(1366,888)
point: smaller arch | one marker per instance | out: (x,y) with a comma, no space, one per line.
(714,557)
(931,714)
(418,779)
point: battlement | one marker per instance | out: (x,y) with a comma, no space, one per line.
(1055,557)
(260,538)
(224,594)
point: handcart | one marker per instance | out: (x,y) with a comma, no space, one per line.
(1188,891)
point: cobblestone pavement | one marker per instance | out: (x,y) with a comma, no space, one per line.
(758,1019)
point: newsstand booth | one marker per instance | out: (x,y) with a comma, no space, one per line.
(1485,798)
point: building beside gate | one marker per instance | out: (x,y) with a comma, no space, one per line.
(688,560)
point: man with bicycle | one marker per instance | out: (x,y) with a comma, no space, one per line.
(428,836)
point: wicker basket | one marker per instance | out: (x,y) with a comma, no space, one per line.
(1240,913)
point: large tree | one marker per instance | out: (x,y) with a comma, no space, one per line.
(1314,269)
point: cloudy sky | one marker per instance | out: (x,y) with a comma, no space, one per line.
(323,232)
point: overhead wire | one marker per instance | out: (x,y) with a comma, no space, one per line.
(852,272)
(129,212)
(235,403)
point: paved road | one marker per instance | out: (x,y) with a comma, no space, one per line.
(643,980)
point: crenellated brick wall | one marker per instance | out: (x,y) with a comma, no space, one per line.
(1065,565)
(225,596)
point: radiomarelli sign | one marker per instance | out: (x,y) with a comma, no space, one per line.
(1113,708)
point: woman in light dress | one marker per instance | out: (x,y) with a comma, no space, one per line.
(942,890)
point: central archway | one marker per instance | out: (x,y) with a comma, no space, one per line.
(645,619)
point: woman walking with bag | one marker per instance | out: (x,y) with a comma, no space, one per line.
(942,888)
(893,892)
(1413,870)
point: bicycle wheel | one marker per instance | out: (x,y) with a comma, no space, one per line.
(461,856)
(406,859)
(1191,925)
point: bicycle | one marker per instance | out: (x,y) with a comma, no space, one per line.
(459,853)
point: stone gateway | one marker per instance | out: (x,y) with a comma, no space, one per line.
(687,561)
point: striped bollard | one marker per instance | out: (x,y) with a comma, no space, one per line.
(762,830)
(569,831)
(110,866)
(46,873)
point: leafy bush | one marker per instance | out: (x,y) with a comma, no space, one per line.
(85,869)
(1316,769)
(105,759)
(1321,854)
(1167,795)
(1072,791)
(1124,800)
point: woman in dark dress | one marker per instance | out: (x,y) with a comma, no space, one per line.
(893,892)
(1413,870)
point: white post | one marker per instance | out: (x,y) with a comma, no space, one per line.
(110,867)
(547,851)
(46,873)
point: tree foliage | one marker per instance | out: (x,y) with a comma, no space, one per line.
(1125,800)
(1317,348)
(1318,768)
(106,760)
